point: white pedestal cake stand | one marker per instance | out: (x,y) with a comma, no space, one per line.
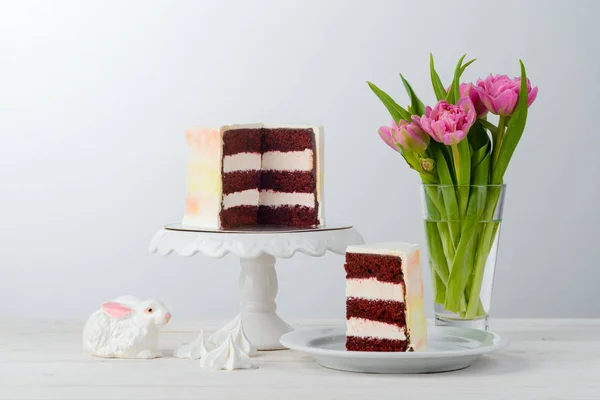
(257,249)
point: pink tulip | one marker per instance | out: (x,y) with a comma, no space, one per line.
(499,93)
(468,89)
(412,137)
(389,135)
(407,134)
(447,123)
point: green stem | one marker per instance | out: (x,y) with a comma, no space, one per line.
(462,165)
(484,247)
(437,200)
(462,266)
(447,244)
(439,289)
(498,138)
(456,160)
(440,267)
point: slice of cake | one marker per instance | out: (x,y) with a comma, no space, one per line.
(253,174)
(384,298)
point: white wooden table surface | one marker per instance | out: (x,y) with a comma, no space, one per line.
(547,359)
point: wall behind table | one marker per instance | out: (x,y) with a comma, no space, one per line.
(96,97)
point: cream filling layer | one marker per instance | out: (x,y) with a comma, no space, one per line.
(373,289)
(271,198)
(244,198)
(366,328)
(252,197)
(242,162)
(288,161)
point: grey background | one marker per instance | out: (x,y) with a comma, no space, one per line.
(95,98)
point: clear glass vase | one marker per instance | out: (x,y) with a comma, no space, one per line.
(462,225)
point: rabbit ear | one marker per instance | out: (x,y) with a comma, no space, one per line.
(116,310)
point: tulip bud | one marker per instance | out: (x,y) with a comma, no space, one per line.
(412,137)
(389,134)
(427,164)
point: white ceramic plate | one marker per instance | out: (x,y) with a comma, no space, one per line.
(449,349)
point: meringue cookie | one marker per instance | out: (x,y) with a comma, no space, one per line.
(194,350)
(228,356)
(236,330)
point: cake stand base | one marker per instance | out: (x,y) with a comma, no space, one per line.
(258,289)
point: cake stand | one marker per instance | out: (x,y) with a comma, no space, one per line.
(257,248)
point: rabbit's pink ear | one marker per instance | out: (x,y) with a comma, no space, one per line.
(116,310)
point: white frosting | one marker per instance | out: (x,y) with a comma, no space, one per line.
(203,178)
(320,144)
(271,198)
(194,350)
(227,356)
(242,162)
(366,328)
(244,198)
(202,221)
(288,161)
(373,289)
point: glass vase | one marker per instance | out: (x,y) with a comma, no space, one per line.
(462,226)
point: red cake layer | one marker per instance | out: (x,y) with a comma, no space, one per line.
(384,268)
(355,343)
(389,312)
(242,141)
(288,181)
(294,216)
(239,216)
(260,141)
(240,180)
(286,139)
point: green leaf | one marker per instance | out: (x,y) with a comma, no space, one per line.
(442,166)
(462,264)
(447,156)
(476,159)
(464,67)
(448,193)
(394,109)
(462,165)
(489,126)
(477,136)
(410,158)
(514,131)
(453,93)
(417,105)
(438,86)
(481,172)
(433,238)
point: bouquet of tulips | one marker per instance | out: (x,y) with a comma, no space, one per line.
(461,157)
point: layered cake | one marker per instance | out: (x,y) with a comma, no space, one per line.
(384,298)
(241,175)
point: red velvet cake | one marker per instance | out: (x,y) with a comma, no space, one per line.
(255,174)
(384,298)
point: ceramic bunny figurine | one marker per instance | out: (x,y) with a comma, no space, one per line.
(125,327)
